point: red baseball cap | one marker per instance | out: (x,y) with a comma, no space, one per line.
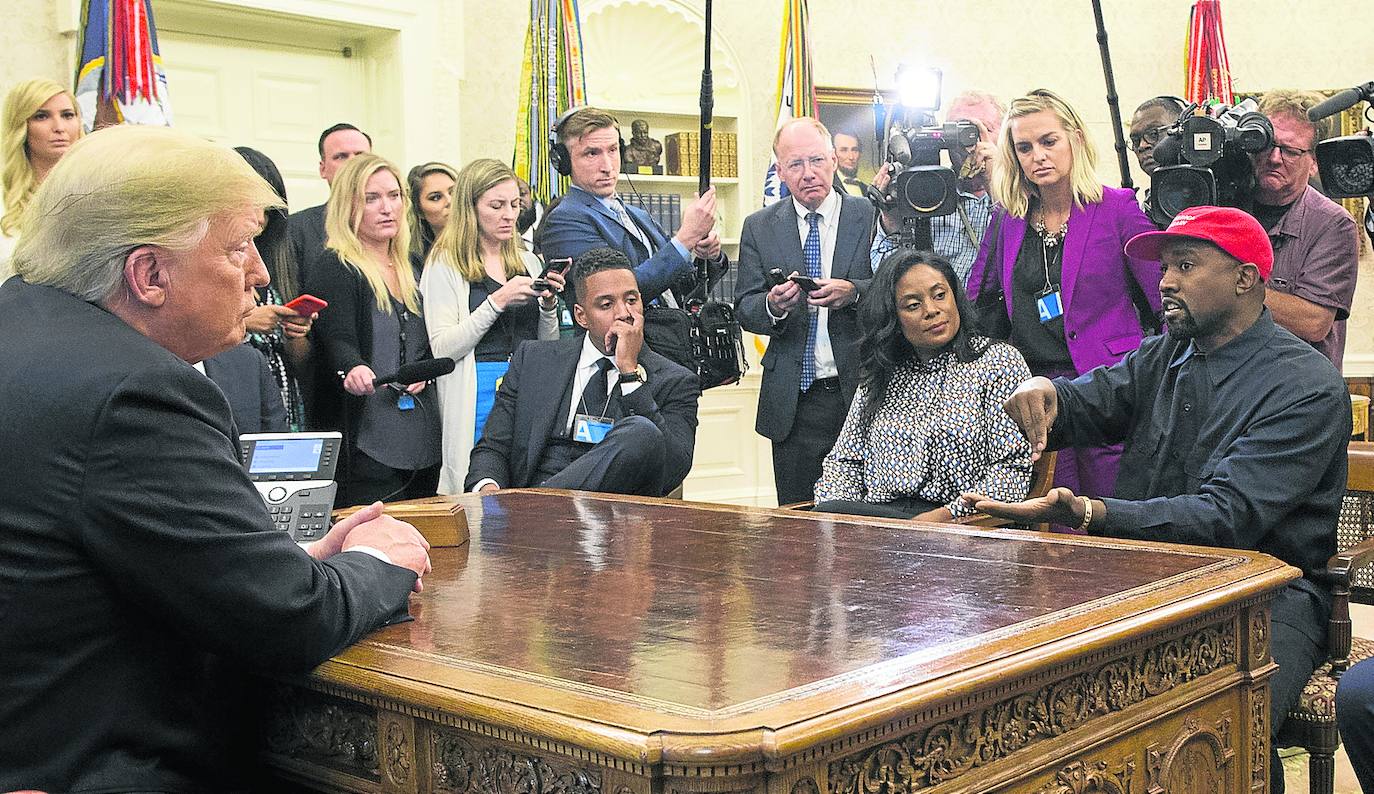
(1233,231)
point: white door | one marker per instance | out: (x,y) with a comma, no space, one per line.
(273,98)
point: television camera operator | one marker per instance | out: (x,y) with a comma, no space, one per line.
(1260,158)
(955,236)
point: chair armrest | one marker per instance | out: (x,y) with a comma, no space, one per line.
(1343,565)
(1339,571)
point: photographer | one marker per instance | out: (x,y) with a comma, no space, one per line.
(956,236)
(1316,252)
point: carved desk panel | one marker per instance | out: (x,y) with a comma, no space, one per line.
(585,644)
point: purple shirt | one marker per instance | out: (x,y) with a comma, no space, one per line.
(1316,258)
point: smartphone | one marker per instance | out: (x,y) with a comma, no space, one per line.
(559,266)
(539,285)
(306,305)
(805,282)
(774,276)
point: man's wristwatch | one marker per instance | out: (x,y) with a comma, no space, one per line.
(636,375)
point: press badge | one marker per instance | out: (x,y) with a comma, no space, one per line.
(589,429)
(406,402)
(1049,306)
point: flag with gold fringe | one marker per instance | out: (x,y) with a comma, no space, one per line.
(121,79)
(796,90)
(551,81)
(1207,70)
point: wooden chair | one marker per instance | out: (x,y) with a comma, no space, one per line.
(1311,724)
(1042,476)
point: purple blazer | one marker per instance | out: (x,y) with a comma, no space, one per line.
(1100,321)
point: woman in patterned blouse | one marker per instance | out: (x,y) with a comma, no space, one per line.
(927,422)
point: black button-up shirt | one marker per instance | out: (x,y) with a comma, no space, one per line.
(1242,447)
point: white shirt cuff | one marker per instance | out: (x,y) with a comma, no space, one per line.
(484,482)
(371,552)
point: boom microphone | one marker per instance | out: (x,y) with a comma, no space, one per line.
(420,371)
(1340,101)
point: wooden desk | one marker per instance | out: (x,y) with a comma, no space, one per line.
(600,645)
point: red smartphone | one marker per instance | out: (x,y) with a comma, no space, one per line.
(306,305)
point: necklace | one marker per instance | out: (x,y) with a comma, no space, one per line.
(1051,239)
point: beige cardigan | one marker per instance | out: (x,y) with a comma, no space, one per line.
(454,333)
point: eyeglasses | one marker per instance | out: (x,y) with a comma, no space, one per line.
(795,166)
(1148,136)
(1288,153)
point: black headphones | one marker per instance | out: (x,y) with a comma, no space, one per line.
(559,156)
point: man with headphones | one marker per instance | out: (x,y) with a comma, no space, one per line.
(585,144)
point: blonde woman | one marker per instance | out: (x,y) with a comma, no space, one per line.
(482,302)
(1073,299)
(431,197)
(40,123)
(372,325)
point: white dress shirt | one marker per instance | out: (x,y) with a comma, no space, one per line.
(586,368)
(829,211)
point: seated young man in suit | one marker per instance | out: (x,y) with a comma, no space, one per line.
(599,412)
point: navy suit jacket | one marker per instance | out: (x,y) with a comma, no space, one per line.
(136,559)
(581,222)
(254,399)
(769,240)
(522,419)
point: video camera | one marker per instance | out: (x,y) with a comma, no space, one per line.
(1205,159)
(924,187)
(1346,164)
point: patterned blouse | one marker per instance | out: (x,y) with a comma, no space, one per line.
(941,431)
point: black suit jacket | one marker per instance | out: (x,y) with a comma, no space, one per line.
(770,239)
(522,419)
(306,229)
(135,558)
(254,399)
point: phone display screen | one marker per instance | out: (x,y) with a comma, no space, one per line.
(279,456)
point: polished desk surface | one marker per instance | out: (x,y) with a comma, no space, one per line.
(629,619)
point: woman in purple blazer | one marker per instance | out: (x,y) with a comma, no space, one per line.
(1074,299)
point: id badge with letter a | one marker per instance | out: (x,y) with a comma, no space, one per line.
(588,429)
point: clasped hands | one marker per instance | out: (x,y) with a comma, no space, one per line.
(399,541)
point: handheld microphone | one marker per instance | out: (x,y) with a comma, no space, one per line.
(1340,101)
(429,369)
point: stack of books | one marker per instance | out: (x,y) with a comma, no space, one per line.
(664,208)
(683,153)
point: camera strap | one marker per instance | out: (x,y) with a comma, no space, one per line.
(968,226)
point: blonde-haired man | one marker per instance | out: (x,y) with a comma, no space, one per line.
(133,549)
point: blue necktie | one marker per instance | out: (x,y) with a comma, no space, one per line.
(811,252)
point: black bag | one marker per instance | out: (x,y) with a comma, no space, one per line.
(717,344)
(668,332)
(991,305)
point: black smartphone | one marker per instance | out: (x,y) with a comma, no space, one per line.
(805,282)
(560,266)
(539,285)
